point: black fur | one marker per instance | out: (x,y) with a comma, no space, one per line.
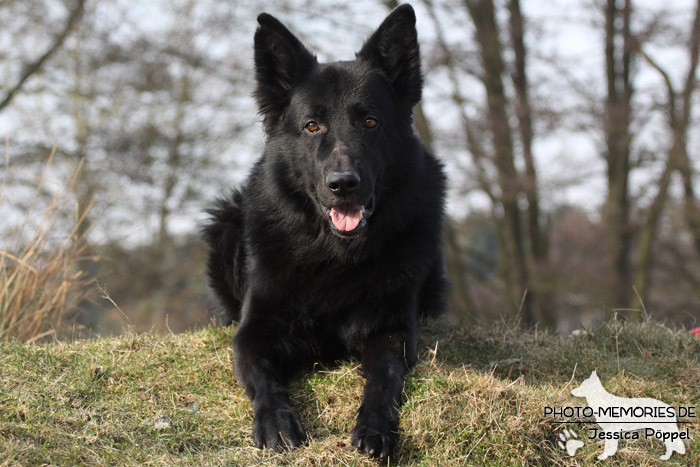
(302,288)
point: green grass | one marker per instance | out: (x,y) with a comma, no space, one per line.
(147,399)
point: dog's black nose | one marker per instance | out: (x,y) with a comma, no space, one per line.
(342,183)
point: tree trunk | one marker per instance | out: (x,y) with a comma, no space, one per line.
(513,256)
(647,238)
(618,110)
(691,204)
(537,242)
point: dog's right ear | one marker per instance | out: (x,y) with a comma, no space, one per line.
(281,62)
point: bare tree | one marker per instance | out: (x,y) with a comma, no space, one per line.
(678,105)
(496,147)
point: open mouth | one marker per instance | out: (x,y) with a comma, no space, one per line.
(349,219)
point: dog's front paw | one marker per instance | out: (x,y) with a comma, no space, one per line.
(278,427)
(376,432)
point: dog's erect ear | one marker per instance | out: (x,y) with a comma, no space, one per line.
(393,48)
(281,62)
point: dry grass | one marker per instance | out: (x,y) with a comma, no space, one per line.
(148,399)
(41,282)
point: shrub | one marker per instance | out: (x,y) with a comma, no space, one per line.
(41,279)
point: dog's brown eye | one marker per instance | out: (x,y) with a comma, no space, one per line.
(312,127)
(370,123)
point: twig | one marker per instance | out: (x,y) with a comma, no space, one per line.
(105,295)
(573,375)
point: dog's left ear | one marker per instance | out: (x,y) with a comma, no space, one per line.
(393,48)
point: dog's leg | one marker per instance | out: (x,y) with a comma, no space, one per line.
(679,446)
(226,264)
(385,362)
(434,292)
(609,449)
(669,451)
(673,445)
(263,359)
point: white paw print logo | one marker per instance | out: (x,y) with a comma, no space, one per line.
(572,443)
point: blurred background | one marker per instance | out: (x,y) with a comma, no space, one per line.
(569,130)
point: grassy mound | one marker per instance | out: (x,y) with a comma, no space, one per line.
(475,398)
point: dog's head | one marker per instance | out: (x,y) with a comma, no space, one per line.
(332,129)
(590,386)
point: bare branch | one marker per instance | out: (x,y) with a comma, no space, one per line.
(694,51)
(667,80)
(34,67)
(477,151)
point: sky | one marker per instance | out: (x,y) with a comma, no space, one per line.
(564,40)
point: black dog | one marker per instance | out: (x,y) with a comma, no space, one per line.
(332,246)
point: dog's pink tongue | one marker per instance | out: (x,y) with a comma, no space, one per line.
(346,217)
